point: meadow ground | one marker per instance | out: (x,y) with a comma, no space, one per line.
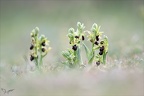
(121,21)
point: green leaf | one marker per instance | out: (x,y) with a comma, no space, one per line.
(86,50)
(106,43)
(78,55)
(96,47)
(104,58)
(91,58)
(65,54)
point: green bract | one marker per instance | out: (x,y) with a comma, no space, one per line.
(39,47)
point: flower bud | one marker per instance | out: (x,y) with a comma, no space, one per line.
(32,33)
(94,26)
(78,24)
(91,40)
(42,37)
(71,30)
(70,42)
(36,31)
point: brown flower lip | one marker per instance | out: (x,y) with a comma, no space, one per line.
(83,38)
(31,58)
(43,49)
(43,43)
(98,63)
(101,52)
(76,36)
(74,47)
(97,38)
(31,47)
(96,43)
(102,48)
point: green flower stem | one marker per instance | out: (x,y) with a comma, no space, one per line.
(36,51)
(81,60)
(75,59)
(36,62)
(92,55)
(41,57)
(79,57)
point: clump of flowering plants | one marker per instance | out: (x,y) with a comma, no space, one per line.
(39,47)
(98,51)
(98,43)
(73,56)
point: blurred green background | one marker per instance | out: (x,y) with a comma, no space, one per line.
(121,20)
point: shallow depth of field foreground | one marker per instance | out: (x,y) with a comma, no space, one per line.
(121,21)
